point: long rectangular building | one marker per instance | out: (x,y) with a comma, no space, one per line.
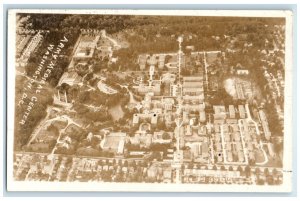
(192,84)
(192,91)
(242,111)
(231,111)
(264,123)
(193,79)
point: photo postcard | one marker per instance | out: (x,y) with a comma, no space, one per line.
(149,101)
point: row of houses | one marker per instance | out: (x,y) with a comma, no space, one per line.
(222,115)
(233,142)
(26,47)
(250,138)
(193,96)
(265,124)
(21,43)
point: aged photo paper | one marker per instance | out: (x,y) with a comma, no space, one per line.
(149,101)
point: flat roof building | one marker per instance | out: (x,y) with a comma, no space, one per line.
(192,79)
(242,111)
(193,84)
(265,124)
(192,91)
(231,111)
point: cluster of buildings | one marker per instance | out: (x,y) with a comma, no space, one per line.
(265,124)
(144,140)
(21,42)
(217,145)
(153,86)
(197,143)
(115,142)
(230,137)
(88,169)
(154,107)
(33,167)
(93,39)
(234,148)
(88,42)
(157,60)
(142,60)
(210,176)
(158,172)
(40,167)
(85,48)
(193,86)
(26,45)
(251,140)
(235,136)
(230,115)
(151,116)
(193,97)
(141,139)
(243,89)
(190,105)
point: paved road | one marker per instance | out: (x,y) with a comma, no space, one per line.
(205,66)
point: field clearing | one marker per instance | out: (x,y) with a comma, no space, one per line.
(211,57)
(116,112)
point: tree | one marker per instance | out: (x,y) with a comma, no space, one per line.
(240,169)
(257,171)
(266,172)
(95,142)
(247,171)
(191,165)
(166,136)
(134,165)
(161,125)
(260,182)
(120,162)
(274,172)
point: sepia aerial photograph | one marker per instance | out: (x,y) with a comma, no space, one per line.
(187,102)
